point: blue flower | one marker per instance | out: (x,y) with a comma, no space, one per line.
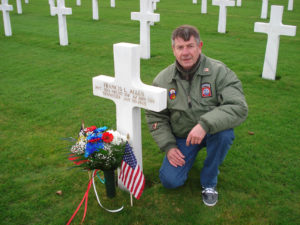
(100,129)
(92,147)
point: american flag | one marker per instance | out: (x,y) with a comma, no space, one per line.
(131,174)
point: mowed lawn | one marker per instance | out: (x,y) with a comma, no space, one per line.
(46,92)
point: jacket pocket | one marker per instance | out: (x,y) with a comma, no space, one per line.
(175,116)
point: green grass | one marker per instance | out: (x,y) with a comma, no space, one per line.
(46,91)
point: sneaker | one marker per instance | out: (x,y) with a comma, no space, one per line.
(209,196)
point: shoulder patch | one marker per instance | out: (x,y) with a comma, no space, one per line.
(206,90)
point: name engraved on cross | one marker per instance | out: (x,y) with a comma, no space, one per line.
(223,13)
(61,12)
(264,9)
(274,29)
(5,8)
(129,94)
(145,16)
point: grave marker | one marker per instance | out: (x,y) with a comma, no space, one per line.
(152,8)
(223,13)
(274,29)
(238,2)
(51,4)
(145,16)
(129,94)
(26,1)
(19,6)
(5,8)
(78,2)
(290,5)
(204,6)
(112,3)
(61,11)
(154,2)
(264,9)
(95,9)
(194,1)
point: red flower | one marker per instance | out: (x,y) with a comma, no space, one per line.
(90,129)
(107,137)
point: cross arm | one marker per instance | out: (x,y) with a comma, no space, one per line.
(261,27)
(146,17)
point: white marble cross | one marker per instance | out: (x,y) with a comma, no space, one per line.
(204,6)
(152,7)
(290,5)
(274,29)
(145,16)
(5,8)
(61,12)
(238,2)
(26,1)
(78,2)
(129,94)
(95,9)
(154,2)
(223,13)
(51,4)
(112,3)
(264,9)
(19,6)
(194,1)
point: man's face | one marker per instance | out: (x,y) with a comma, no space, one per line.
(186,52)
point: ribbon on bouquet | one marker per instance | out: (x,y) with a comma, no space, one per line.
(98,200)
(85,198)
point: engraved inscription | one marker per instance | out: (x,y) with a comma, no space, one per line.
(129,95)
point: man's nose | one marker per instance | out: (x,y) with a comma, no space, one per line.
(185,51)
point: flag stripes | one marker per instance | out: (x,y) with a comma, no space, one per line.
(131,174)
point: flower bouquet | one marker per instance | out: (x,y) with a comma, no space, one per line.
(99,148)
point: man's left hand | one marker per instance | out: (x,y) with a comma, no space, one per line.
(196,135)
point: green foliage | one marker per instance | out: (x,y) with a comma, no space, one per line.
(46,91)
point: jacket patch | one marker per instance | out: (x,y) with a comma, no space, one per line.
(172,93)
(206,90)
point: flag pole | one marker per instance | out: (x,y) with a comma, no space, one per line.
(131,200)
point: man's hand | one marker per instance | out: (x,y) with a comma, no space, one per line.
(196,135)
(175,157)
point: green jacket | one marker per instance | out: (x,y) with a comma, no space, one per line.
(214,99)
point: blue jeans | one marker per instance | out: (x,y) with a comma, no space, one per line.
(217,146)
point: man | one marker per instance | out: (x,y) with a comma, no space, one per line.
(205,103)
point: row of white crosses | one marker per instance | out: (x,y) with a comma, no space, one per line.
(264,8)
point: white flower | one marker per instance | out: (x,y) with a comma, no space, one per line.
(118,138)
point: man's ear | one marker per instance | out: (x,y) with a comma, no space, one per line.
(200,44)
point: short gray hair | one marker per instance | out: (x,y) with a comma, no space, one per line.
(185,32)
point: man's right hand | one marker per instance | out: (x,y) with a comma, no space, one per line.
(175,157)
